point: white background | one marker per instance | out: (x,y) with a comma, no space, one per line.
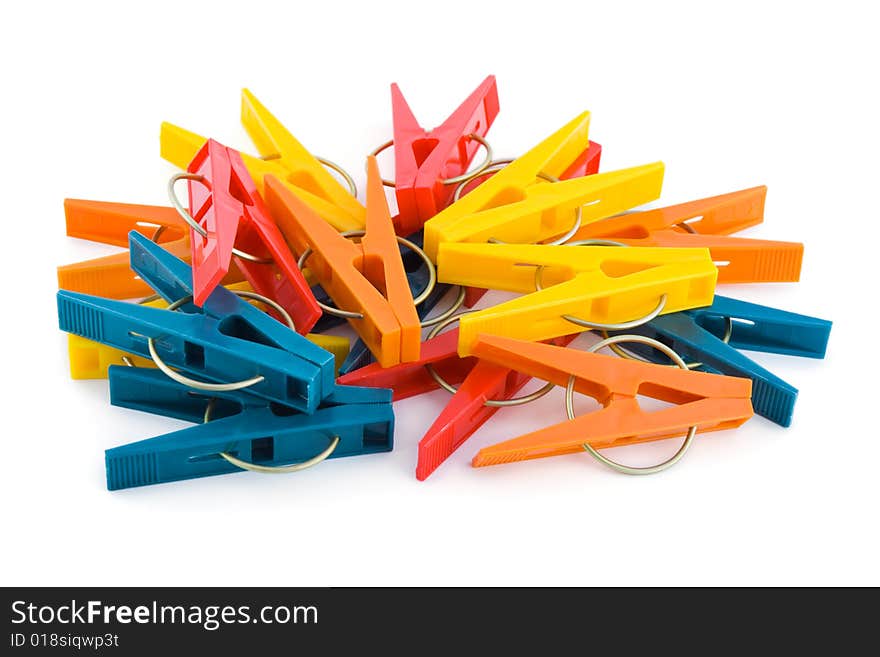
(758,93)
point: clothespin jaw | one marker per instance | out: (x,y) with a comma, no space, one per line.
(411,379)
(280,364)
(110,223)
(708,401)
(698,336)
(179,146)
(425,159)
(593,283)
(367,279)
(226,204)
(468,410)
(259,436)
(513,206)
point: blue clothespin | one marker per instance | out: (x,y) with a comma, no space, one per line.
(247,428)
(699,335)
(171,278)
(226,342)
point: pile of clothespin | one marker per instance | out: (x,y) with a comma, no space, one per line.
(216,315)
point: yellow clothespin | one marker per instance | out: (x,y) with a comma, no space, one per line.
(283,156)
(516,206)
(578,287)
(90,360)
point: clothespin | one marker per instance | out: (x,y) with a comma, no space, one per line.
(427,163)
(411,379)
(257,434)
(708,401)
(514,206)
(90,360)
(225,205)
(587,286)
(228,341)
(110,223)
(486,388)
(699,335)
(739,260)
(285,158)
(367,280)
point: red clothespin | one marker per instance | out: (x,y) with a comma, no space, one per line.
(707,223)
(411,379)
(468,409)
(110,223)
(426,160)
(707,401)
(224,202)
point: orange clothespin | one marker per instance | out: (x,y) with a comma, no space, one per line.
(705,401)
(110,223)
(366,279)
(707,223)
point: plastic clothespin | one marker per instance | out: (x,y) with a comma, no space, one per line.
(90,360)
(709,401)
(366,278)
(411,379)
(225,203)
(698,335)
(739,260)
(241,425)
(467,411)
(228,341)
(594,284)
(110,223)
(514,206)
(285,158)
(425,159)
